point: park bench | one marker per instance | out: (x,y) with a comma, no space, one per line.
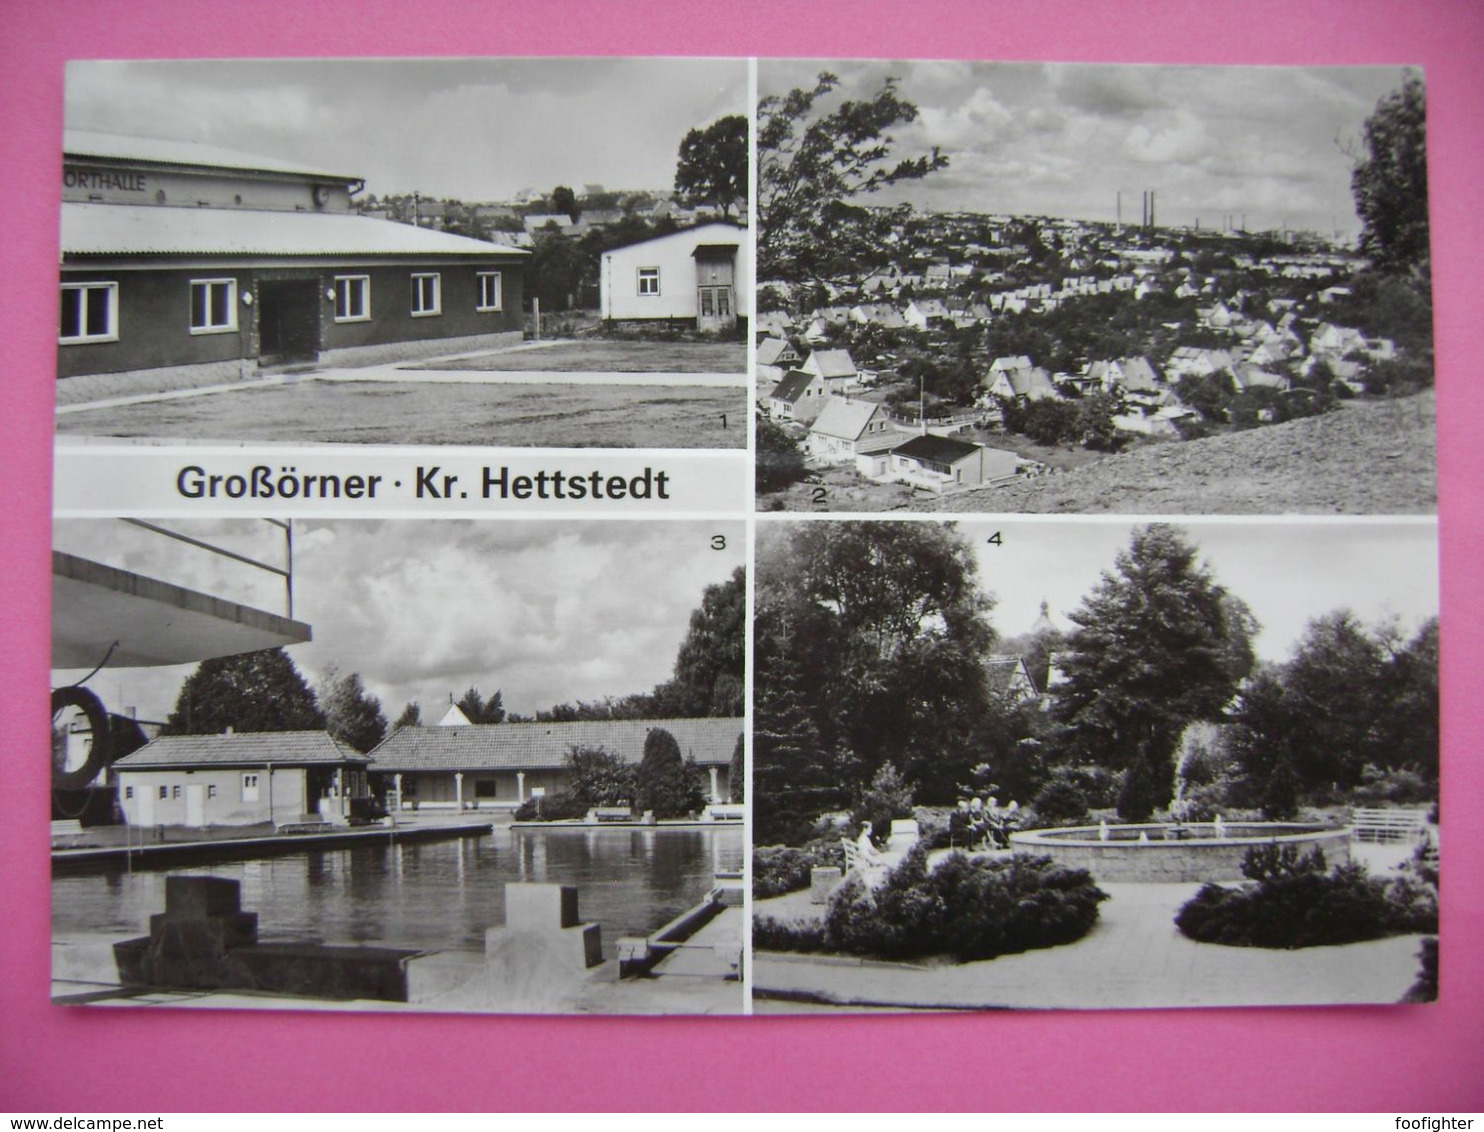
(600,814)
(307,825)
(64,832)
(1388,824)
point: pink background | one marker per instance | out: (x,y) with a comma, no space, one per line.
(1401,1058)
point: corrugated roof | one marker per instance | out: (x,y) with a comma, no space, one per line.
(131,229)
(243,748)
(544,746)
(158,151)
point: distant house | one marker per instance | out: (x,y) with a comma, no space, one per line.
(1008,679)
(700,275)
(835,367)
(246,778)
(800,396)
(847,428)
(877,314)
(943,463)
(925,313)
(776,352)
(775,323)
(1033,384)
(501,765)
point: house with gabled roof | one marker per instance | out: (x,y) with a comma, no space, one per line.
(835,367)
(700,275)
(883,315)
(847,428)
(1008,679)
(800,396)
(243,778)
(777,352)
(1033,384)
(943,464)
(499,766)
(923,314)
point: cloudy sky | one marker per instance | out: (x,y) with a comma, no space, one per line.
(1288,573)
(1063,139)
(544,611)
(474,129)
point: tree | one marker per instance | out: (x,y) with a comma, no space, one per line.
(667,785)
(1351,696)
(779,459)
(564,200)
(559,270)
(709,665)
(477,709)
(814,167)
(412,716)
(737,774)
(597,778)
(352,715)
(256,691)
(885,800)
(885,631)
(1158,644)
(712,166)
(1389,184)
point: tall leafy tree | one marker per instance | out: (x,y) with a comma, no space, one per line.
(1389,183)
(477,709)
(1157,644)
(256,691)
(888,632)
(352,715)
(712,166)
(564,200)
(737,774)
(709,665)
(815,168)
(412,716)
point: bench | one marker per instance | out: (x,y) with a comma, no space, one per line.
(290,828)
(1388,824)
(599,814)
(65,831)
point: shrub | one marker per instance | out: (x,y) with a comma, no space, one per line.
(1401,786)
(883,802)
(777,869)
(1293,902)
(1425,989)
(769,934)
(1061,802)
(553,807)
(968,908)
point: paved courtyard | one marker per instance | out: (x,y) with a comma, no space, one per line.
(1133,957)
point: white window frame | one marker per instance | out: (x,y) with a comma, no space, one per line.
(343,293)
(648,275)
(418,310)
(481,302)
(227,327)
(110,291)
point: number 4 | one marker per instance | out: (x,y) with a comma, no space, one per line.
(995,539)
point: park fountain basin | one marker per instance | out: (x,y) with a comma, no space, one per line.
(1175,853)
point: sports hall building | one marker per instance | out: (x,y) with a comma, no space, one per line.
(186,265)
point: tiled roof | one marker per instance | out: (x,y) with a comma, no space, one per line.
(844,418)
(832,363)
(157,151)
(242,748)
(132,229)
(792,387)
(543,746)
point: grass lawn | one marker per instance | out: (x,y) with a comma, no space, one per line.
(555,416)
(612,356)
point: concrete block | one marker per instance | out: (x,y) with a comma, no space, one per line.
(540,907)
(823,880)
(194,898)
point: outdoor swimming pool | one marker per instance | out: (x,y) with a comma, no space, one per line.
(441,894)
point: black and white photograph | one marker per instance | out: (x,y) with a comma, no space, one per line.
(399,765)
(508,252)
(1094,764)
(1080,288)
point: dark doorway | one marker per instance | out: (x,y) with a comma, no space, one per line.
(288,321)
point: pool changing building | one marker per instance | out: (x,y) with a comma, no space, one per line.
(497,766)
(186,265)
